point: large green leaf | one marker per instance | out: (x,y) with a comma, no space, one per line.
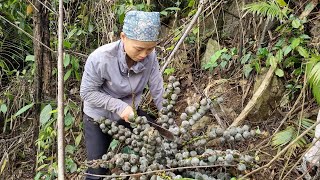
(283,137)
(23,109)
(45,114)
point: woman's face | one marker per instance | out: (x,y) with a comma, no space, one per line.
(137,50)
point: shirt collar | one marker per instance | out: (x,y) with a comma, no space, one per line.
(136,68)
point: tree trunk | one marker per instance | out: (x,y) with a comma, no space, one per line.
(42,59)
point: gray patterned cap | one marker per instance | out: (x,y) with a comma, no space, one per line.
(142,26)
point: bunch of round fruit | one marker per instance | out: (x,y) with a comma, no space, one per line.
(152,152)
(232,134)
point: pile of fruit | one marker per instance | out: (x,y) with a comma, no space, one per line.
(153,156)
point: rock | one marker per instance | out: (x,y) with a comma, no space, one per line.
(270,98)
(212,47)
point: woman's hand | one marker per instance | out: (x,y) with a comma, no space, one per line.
(126,113)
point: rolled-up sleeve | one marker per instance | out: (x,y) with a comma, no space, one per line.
(156,84)
(91,83)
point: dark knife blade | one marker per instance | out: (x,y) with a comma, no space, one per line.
(164,132)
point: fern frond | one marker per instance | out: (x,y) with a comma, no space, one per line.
(313,75)
(270,9)
(306,123)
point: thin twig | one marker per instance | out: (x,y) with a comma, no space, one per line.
(265,83)
(194,19)
(29,35)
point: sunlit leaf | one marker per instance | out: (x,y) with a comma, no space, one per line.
(283,137)
(45,114)
(23,109)
(303,52)
(279,72)
(295,42)
(282,3)
(29,58)
(296,23)
(287,50)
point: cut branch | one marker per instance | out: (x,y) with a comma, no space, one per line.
(265,83)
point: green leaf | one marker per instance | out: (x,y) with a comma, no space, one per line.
(279,72)
(216,55)
(29,58)
(316,92)
(303,52)
(70,149)
(66,60)
(226,56)
(282,3)
(273,61)
(78,139)
(71,33)
(4,163)
(192,12)
(304,36)
(127,150)
(23,109)
(68,120)
(66,44)
(170,48)
(38,176)
(245,58)
(169,71)
(165,13)
(247,69)
(283,137)
(114,143)
(3,108)
(279,55)
(223,64)
(234,51)
(295,42)
(191,3)
(42,166)
(287,50)
(90,28)
(67,75)
(45,114)
(173,9)
(280,43)
(263,52)
(296,23)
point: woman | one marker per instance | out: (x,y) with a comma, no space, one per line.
(114,78)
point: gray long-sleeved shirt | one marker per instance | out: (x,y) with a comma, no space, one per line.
(107,82)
